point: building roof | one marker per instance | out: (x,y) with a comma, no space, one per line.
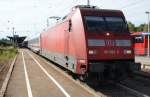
(17,38)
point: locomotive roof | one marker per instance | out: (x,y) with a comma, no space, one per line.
(86,8)
(102,10)
(91,8)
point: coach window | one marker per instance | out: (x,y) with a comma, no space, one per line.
(138,39)
(70,26)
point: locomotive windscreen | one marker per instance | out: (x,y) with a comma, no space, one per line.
(102,24)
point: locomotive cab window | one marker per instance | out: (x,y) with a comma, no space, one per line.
(103,24)
(138,39)
(115,24)
(95,23)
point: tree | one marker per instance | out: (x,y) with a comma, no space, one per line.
(5,42)
(140,28)
(143,27)
(131,27)
(146,28)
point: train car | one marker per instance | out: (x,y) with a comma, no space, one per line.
(91,43)
(34,44)
(25,44)
(140,43)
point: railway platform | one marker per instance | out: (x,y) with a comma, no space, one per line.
(33,77)
(144,60)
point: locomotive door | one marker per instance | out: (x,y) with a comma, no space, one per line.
(67,34)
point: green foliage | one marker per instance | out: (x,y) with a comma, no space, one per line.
(7,53)
(133,28)
(5,42)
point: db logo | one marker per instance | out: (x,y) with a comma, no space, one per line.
(110,42)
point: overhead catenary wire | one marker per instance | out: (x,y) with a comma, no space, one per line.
(132,4)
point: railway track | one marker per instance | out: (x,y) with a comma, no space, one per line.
(3,71)
(132,91)
(134,87)
(2,67)
(137,86)
(146,70)
(143,76)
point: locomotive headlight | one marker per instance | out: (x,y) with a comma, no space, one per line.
(127,51)
(82,61)
(92,52)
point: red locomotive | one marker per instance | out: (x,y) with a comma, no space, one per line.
(90,42)
(140,42)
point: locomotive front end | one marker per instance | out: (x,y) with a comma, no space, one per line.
(109,44)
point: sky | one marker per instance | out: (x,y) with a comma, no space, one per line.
(29,17)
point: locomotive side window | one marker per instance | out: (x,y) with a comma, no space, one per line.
(70,26)
(116,24)
(138,39)
(95,23)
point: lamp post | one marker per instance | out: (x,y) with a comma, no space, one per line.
(88,2)
(13,31)
(147,12)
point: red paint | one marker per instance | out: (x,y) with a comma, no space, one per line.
(75,43)
(140,47)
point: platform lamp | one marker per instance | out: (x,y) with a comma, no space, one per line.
(147,12)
